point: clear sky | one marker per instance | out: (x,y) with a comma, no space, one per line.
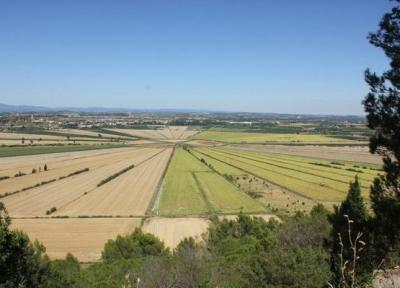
(264,56)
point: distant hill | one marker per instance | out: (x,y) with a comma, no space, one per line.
(4,108)
(23,108)
(243,116)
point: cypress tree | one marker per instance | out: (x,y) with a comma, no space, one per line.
(352,208)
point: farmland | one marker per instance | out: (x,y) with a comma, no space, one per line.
(130,195)
(46,149)
(75,190)
(310,178)
(277,138)
(174,230)
(168,180)
(358,154)
(191,187)
(168,133)
(83,237)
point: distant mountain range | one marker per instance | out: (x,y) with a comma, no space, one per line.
(4,108)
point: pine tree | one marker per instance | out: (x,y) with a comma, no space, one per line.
(382,105)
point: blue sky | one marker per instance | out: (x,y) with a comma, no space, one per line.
(262,56)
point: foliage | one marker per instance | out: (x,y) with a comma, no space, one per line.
(65,272)
(382,105)
(135,245)
(22,263)
(353,208)
(115,175)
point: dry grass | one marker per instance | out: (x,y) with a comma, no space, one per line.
(174,230)
(37,201)
(83,237)
(129,194)
(168,133)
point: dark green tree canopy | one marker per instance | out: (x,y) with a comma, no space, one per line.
(382,105)
(135,245)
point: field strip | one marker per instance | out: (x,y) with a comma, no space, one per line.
(173,230)
(181,136)
(63,207)
(38,200)
(162,135)
(7,152)
(289,168)
(170,133)
(44,183)
(273,171)
(83,237)
(79,217)
(217,173)
(27,162)
(305,163)
(203,193)
(359,154)
(282,173)
(180,195)
(263,178)
(130,195)
(192,188)
(59,167)
(153,205)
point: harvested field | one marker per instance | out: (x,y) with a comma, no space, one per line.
(37,201)
(130,194)
(39,138)
(58,165)
(89,133)
(6,151)
(174,230)
(345,153)
(10,142)
(251,137)
(168,133)
(27,136)
(83,237)
(11,165)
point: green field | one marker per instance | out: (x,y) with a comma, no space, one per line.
(192,188)
(46,149)
(249,137)
(320,180)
